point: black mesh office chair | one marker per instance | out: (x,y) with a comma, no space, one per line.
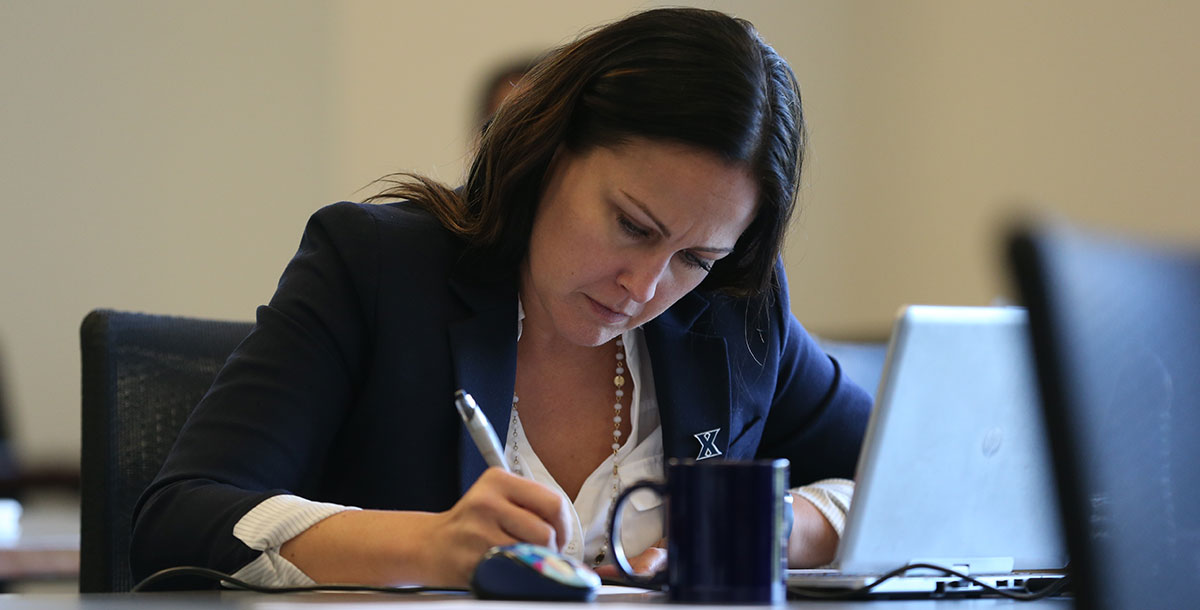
(142,375)
(1116,333)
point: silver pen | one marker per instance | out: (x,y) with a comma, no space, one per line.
(481,430)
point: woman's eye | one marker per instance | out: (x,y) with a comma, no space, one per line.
(695,261)
(632,229)
(690,259)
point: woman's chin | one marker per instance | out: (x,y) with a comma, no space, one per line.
(594,336)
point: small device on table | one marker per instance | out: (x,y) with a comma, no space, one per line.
(530,572)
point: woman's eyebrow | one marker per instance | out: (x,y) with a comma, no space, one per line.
(662,228)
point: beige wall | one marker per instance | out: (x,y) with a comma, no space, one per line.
(163,156)
(959,110)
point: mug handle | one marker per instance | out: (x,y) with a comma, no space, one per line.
(614,538)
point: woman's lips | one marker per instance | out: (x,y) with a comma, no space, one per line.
(606,314)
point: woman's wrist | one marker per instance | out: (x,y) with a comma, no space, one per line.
(367,547)
(813,541)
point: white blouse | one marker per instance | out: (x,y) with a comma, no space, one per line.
(280,518)
(638,460)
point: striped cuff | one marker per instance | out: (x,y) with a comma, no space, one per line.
(831,497)
(268,526)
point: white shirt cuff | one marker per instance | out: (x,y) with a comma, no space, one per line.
(831,497)
(268,526)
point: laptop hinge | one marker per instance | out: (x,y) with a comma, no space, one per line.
(967,565)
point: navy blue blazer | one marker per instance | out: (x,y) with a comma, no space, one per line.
(343,390)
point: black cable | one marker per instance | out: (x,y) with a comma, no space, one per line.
(1053,589)
(224,578)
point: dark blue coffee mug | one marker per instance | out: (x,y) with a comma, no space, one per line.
(727,528)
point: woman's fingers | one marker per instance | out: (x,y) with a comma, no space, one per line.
(499,509)
(525,526)
(645,563)
(649,561)
(546,505)
(503,504)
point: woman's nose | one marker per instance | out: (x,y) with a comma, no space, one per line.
(641,278)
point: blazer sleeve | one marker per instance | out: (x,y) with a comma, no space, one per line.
(818,415)
(268,420)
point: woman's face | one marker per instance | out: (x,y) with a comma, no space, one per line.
(622,233)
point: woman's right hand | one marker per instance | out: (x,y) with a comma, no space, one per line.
(500,508)
(437,549)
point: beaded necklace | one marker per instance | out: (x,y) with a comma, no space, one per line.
(619,393)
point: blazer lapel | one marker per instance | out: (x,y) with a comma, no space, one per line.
(691,377)
(483,347)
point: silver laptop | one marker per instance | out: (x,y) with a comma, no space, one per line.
(955,469)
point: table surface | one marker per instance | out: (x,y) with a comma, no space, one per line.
(240,600)
(48,548)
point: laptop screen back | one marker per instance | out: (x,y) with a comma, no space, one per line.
(955,468)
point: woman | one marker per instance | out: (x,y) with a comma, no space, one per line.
(606,285)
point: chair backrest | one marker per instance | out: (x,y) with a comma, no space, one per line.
(142,375)
(862,361)
(1116,334)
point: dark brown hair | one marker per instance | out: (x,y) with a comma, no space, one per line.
(692,76)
